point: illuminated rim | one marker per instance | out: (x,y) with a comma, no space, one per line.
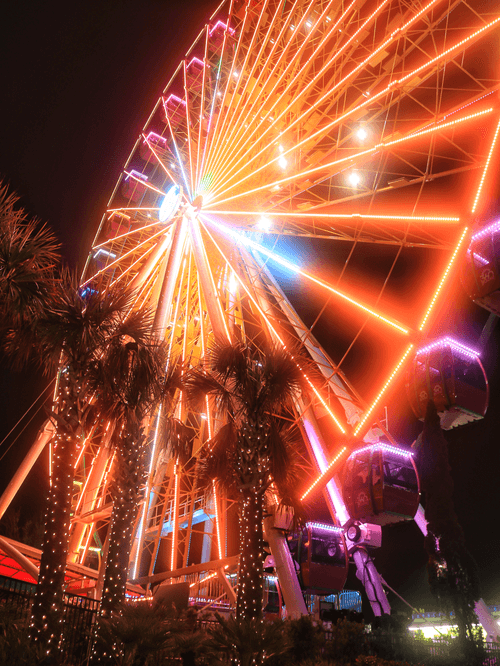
(282,124)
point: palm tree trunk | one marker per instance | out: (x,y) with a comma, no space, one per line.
(128,476)
(120,542)
(48,608)
(250,573)
(115,578)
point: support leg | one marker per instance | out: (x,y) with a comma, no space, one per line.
(369,576)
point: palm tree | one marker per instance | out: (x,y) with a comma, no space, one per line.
(130,379)
(74,330)
(29,255)
(253,450)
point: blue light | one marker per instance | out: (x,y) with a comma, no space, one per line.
(170,203)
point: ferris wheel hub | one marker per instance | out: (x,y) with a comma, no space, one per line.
(198,203)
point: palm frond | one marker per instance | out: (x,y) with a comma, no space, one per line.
(179,439)
(218,464)
(287,472)
(29,254)
(199,384)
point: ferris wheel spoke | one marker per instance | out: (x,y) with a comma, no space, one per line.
(309,276)
(257,81)
(243,129)
(214,139)
(351,159)
(395,85)
(394,36)
(202,110)
(117,261)
(179,157)
(276,333)
(377,229)
(130,233)
(303,90)
(188,125)
(246,71)
(486,168)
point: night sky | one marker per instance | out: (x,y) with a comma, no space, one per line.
(78,82)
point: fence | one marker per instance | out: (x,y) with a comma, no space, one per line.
(79,616)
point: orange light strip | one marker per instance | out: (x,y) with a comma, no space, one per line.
(129,233)
(278,337)
(395,35)
(82,450)
(309,276)
(239,131)
(213,134)
(209,577)
(223,138)
(369,101)
(216,133)
(144,254)
(443,280)
(437,127)
(119,210)
(384,388)
(339,216)
(238,123)
(217,520)
(96,503)
(202,109)
(350,158)
(324,474)
(485,170)
(328,64)
(176,517)
(116,261)
(188,123)
(203,351)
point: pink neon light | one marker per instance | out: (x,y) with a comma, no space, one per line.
(384,447)
(176,98)
(486,230)
(222,25)
(152,137)
(477,257)
(137,174)
(197,61)
(447,341)
(336,498)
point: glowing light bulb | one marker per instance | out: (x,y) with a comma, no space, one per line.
(233,283)
(282,162)
(362,134)
(264,223)
(354,179)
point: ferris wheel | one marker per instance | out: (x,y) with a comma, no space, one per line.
(309,175)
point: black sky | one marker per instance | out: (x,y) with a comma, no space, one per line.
(78,81)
